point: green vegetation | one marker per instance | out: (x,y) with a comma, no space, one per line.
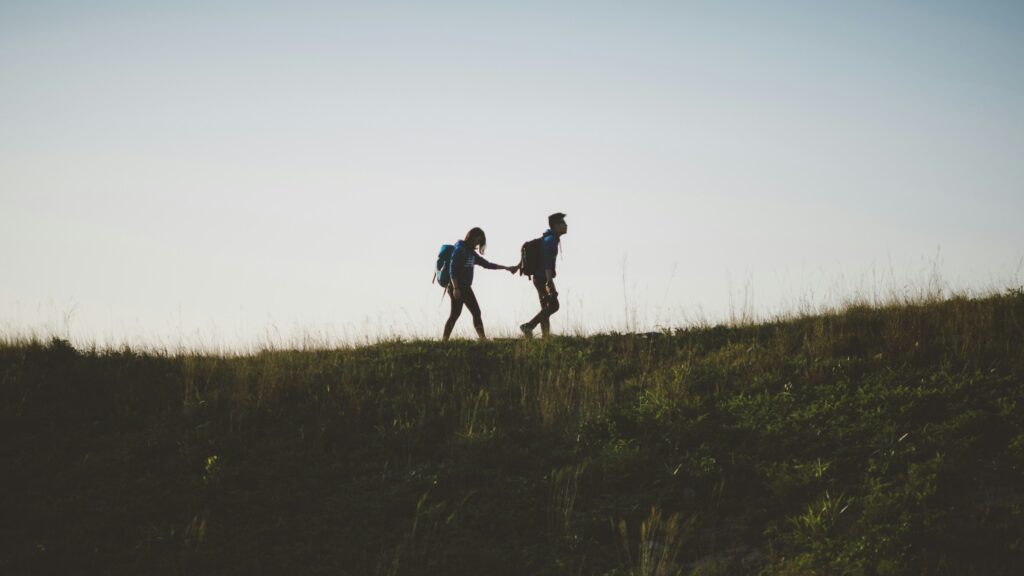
(866,441)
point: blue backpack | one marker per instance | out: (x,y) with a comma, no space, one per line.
(443,269)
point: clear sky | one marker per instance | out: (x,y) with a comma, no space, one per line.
(231,172)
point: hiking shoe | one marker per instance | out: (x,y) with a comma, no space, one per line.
(527,330)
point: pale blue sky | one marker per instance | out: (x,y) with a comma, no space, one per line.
(225,172)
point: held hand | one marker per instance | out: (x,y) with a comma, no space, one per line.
(512,269)
(456,294)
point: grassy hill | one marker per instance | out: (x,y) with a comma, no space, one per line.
(868,441)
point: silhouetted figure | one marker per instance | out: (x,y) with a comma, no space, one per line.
(463,260)
(544,275)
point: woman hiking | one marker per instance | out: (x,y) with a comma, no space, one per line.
(464,258)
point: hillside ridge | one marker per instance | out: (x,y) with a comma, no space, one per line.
(884,440)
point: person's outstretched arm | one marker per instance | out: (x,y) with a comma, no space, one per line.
(481,261)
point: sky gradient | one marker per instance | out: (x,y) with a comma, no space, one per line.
(230,173)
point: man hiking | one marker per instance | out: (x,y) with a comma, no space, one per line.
(544,280)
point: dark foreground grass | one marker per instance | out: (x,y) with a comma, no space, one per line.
(869,441)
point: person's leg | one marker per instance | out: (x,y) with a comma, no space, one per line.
(453,316)
(542,317)
(550,307)
(550,302)
(474,308)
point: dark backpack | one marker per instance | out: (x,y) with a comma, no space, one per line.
(530,263)
(443,269)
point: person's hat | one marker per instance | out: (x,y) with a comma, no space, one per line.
(556,216)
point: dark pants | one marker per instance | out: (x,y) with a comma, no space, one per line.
(548,305)
(469,300)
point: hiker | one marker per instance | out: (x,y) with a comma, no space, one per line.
(464,257)
(544,275)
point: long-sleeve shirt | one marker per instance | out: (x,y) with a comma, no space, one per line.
(549,251)
(464,258)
